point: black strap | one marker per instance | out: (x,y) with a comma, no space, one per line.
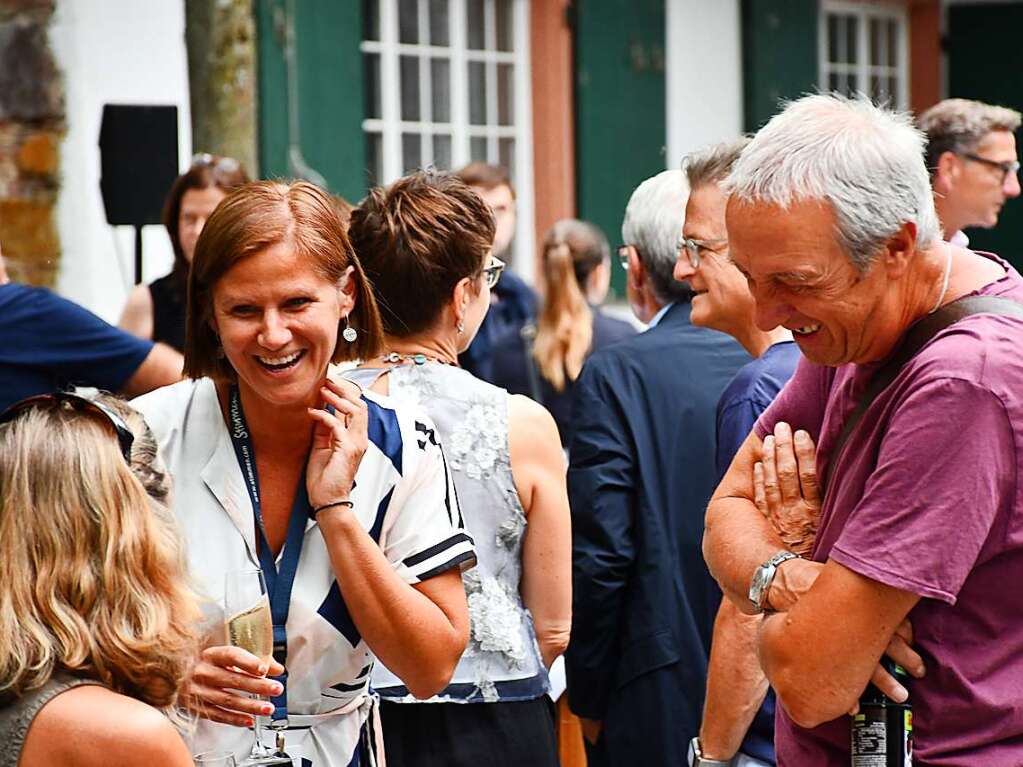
(912,342)
(528,334)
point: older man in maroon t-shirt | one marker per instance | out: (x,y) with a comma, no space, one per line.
(920,537)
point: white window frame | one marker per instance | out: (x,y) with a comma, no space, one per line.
(862,69)
(390,125)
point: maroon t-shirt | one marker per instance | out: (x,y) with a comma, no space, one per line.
(927,499)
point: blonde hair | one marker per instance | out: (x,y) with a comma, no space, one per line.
(572,249)
(92,571)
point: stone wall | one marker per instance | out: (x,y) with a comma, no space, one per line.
(31,126)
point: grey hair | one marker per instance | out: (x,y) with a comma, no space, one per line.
(958,125)
(653,225)
(713,163)
(867,162)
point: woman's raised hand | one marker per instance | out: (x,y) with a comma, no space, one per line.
(220,675)
(339,442)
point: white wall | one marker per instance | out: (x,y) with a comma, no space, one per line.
(704,77)
(112,51)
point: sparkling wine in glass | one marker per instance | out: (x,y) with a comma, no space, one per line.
(214,759)
(250,627)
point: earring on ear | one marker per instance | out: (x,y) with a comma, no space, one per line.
(349,333)
(461,327)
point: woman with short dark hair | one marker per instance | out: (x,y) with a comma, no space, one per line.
(426,243)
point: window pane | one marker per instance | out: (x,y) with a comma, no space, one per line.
(875,42)
(478,148)
(409,66)
(893,90)
(851,32)
(438,10)
(833,84)
(442,151)
(877,93)
(504,21)
(477,93)
(371,20)
(374,159)
(832,37)
(893,42)
(408,21)
(474,24)
(506,154)
(440,78)
(505,95)
(411,152)
(371,92)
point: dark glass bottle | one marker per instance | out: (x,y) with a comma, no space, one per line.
(882,731)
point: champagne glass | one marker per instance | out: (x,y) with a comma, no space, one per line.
(214,759)
(250,627)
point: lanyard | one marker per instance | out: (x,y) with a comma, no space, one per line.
(278,582)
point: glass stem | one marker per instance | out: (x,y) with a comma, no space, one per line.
(258,749)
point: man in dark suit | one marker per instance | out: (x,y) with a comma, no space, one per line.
(641,474)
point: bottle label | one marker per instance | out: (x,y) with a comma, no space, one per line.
(869,739)
(907,738)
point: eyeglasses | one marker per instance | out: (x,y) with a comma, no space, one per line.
(1007,167)
(80,404)
(623,256)
(693,247)
(207,160)
(492,271)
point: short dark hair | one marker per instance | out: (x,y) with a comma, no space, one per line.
(224,173)
(251,219)
(483,175)
(416,239)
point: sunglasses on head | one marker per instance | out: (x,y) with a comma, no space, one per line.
(80,404)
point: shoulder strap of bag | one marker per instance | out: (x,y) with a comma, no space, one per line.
(528,334)
(914,340)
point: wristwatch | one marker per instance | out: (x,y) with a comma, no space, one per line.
(762,577)
(697,759)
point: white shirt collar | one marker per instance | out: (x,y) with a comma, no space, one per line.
(659,316)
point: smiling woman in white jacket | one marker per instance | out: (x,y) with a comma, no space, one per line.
(274,462)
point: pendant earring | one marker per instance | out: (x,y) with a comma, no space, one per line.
(461,327)
(349,333)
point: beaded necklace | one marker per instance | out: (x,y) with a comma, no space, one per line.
(416,359)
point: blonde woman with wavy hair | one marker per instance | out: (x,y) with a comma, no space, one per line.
(96,615)
(576,263)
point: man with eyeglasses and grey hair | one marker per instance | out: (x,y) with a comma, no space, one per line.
(971,154)
(641,473)
(909,511)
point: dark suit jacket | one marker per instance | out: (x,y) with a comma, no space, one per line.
(511,371)
(642,472)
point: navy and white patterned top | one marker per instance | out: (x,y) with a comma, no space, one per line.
(403,498)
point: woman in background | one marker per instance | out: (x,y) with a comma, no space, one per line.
(157,311)
(545,362)
(96,618)
(425,243)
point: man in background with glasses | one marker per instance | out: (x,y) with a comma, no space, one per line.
(971,154)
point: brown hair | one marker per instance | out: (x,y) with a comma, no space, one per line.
(224,173)
(92,571)
(958,125)
(712,164)
(572,249)
(483,175)
(251,219)
(417,238)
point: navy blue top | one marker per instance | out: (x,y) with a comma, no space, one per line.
(511,369)
(516,305)
(641,474)
(747,396)
(48,342)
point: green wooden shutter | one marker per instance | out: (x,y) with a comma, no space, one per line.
(330,91)
(620,108)
(779,55)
